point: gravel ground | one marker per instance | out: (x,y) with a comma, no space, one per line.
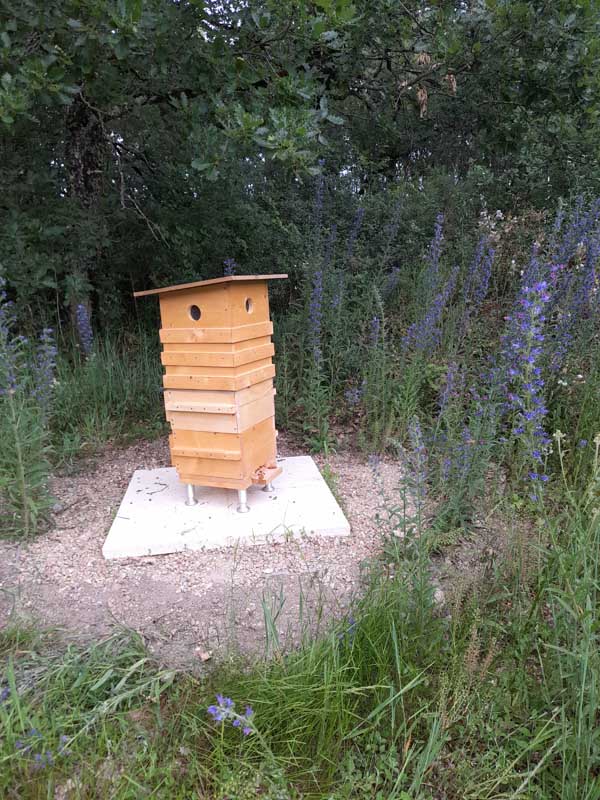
(191,606)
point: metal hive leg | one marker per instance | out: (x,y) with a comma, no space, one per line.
(243,506)
(191,499)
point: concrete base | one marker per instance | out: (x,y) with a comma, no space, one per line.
(153,517)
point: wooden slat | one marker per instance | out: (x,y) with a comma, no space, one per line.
(223,360)
(215,347)
(226,372)
(251,393)
(201,409)
(214,401)
(201,401)
(217,455)
(210,480)
(219,382)
(231,335)
(245,417)
(212,423)
(202,468)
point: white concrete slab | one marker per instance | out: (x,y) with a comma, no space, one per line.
(154,519)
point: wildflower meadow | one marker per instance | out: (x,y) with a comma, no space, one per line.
(427,177)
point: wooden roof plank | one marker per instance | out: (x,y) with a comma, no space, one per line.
(227,279)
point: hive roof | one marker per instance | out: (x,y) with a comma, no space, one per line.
(227,279)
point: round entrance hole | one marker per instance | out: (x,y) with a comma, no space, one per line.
(249,305)
(195,313)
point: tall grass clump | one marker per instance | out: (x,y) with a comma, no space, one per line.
(26,387)
(114,392)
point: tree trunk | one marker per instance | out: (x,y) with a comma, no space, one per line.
(85,149)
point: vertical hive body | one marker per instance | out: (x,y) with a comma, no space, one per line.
(218,381)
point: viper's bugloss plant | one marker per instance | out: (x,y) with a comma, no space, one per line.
(522,350)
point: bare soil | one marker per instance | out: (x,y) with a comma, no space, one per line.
(196,606)
(187,606)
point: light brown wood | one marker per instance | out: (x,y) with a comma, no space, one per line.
(191,358)
(218,379)
(223,382)
(216,347)
(257,446)
(243,418)
(215,402)
(177,369)
(226,279)
(265,475)
(210,335)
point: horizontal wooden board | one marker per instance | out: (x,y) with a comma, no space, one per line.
(244,417)
(220,382)
(213,401)
(221,360)
(214,455)
(176,369)
(215,347)
(218,482)
(223,334)
(224,445)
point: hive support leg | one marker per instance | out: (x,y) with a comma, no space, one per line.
(268,487)
(191,499)
(243,506)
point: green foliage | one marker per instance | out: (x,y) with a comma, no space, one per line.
(497,699)
(24,467)
(25,393)
(116,394)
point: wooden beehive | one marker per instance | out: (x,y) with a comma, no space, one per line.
(219,394)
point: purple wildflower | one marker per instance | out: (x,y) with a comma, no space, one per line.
(375,462)
(392,281)
(522,349)
(355,394)
(418,463)
(425,334)
(374,331)
(329,245)
(349,630)
(225,712)
(315,317)
(229,266)
(354,231)
(433,257)
(582,443)
(453,385)
(84,328)
(43,369)
(4,694)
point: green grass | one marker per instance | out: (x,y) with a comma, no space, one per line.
(497,699)
(116,394)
